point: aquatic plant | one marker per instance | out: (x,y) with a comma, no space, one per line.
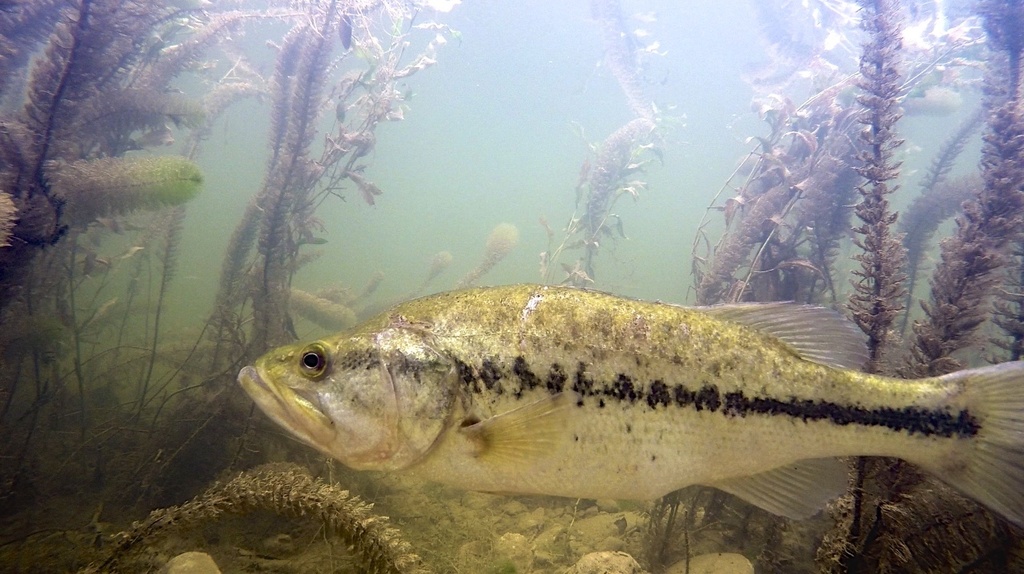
(73,113)
(802,172)
(8,217)
(878,289)
(116,186)
(503,238)
(263,252)
(878,292)
(689,522)
(961,287)
(802,267)
(612,172)
(786,207)
(281,216)
(673,519)
(622,56)
(95,84)
(770,250)
(323,312)
(1003,159)
(285,489)
(619,157)
(965,278)
(938,200)
(23,27)
(298,83)
(1008,309)
(439,263)
(170,237)
(885,538)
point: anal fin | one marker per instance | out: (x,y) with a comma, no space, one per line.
(796,490)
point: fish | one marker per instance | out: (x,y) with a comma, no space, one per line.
(345,30)
(554,390)
(155,137)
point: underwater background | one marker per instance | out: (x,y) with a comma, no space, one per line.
(186,185)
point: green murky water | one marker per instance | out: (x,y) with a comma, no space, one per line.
(334,175)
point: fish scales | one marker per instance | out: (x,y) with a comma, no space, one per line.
(563,391)
(609,349)
(632,364)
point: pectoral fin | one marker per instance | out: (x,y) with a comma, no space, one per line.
(520,435)
(796,490)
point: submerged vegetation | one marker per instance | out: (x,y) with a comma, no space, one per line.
(774,248)
(286,490)
(106,107)
(92,383)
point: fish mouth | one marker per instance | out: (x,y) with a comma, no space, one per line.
(250,378)
(288,408)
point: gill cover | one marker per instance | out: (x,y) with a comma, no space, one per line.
(423,382)
(386,396)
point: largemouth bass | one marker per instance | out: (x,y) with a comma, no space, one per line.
(569,392)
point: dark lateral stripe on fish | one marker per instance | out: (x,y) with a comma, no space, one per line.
(913,420)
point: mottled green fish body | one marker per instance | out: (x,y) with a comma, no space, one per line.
(569,392)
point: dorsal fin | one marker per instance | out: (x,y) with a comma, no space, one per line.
(815,333)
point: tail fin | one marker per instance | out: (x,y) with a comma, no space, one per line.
(990,467)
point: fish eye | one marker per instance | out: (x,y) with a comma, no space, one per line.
(313,361)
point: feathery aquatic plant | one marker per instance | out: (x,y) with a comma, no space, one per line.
(884,540)
(323,312)
(264,250)
(1008,313)
(960,289)
(89,90)
(938,201)
(503,238)
(23,28)
(171,237)
(965,278)
(619,156)
(120,185)
(8,217)
(439,263)
(287,490)
(1003,155)
(622,57)
(878,289)
(799,188)
(299,82)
